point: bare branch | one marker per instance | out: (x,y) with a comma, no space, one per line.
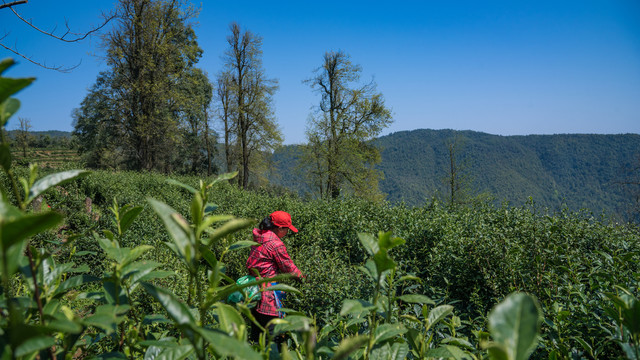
(2,6)
(80,36)
(61,69)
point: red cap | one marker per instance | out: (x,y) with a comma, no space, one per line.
(282,219)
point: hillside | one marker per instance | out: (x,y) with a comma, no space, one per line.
(579,171)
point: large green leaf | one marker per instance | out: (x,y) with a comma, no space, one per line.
(229,319)
(242,244)
(437,314)
(514,325)
(7,108)
(17,228)
(387,242)
(42,185)
(176,352)
(355,307)
(282,287)
(127,218)
(189,188)
(226,345)
(228,228)
(369,243)
(383,261)
(178,229)
(385,332)
(176,309)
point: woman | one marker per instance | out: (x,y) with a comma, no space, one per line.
(269,259)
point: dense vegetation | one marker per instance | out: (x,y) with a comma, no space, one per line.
(574,171)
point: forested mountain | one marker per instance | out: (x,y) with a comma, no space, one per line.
(577,171)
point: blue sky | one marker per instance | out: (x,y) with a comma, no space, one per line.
(501,67)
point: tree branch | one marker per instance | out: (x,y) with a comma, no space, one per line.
(2,6)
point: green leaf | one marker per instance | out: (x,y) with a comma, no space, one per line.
(437,314)
(228,228)
(387,242)
(126,219)
(191,189)
(242,244)
(196,209)
(7,108)
(351,307)
(369,243)
(34,344)
(226,345)
(514,325)
(385,332)
(107,317)
(416,299)
(5,157)
(399,351)
(5,64)
(349,345)
(52,180)
(174,223)
(133,254)
(229,318)
(383,261)
(225,177)
(210,220)
(16,229)
(282,287)
(177,310)
(169,352)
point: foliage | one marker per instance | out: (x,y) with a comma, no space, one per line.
(338,154)
(245,95)
(148,110)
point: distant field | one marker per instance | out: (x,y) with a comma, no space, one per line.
(53,158)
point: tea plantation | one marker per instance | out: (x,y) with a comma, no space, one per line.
(582,270)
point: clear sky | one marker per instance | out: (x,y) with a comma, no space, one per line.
(501,67)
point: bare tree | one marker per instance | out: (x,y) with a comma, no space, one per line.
(22,135)
(68,36)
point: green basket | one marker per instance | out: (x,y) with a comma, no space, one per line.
(252,293)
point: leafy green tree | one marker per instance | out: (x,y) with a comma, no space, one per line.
(97,128)
(197,143)
(150,53)
(349,115)
(253,128)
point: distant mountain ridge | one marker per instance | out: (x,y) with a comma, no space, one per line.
(573,170)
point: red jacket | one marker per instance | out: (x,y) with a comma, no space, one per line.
(270,258)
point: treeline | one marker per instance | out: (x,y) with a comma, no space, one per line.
(577,171)
(153,109)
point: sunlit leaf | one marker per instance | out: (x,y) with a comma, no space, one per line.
(514,325)
(437,314)
(369,243)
